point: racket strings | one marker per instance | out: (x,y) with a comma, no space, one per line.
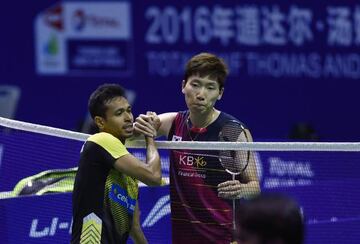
(235,161)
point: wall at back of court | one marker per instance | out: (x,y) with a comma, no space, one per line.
(289,62)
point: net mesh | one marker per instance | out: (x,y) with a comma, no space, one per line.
(36,161)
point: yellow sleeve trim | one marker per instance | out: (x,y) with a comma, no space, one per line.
(110,143)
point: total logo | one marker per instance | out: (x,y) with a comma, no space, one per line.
(80,19)
(50,229)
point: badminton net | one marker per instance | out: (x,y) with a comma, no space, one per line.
(37,165)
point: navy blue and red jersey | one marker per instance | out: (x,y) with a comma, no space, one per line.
(198,215)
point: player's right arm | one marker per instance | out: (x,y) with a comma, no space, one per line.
(166,120)
(148,173)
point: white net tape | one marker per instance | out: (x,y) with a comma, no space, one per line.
(254,146)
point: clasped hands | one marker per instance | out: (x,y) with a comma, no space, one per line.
(147,124)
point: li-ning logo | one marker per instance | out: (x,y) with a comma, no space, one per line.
(160,210)
(196,161)
(49,230)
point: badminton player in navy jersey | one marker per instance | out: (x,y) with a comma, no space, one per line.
(201,190)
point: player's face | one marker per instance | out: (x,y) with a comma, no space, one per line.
(201,93)
(119,119)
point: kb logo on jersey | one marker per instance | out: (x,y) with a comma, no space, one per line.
(190,160)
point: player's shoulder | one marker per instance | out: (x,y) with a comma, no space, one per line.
(181,116)
(109,143)
(183,113)
(225,117)
(104,139)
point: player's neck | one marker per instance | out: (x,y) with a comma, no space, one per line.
(205,119)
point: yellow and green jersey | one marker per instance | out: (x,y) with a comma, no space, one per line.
(104,199)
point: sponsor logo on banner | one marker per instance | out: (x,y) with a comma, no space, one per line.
(39,230)
(53,17)
(82,38)
(288,173)
(160,210)
(50,41)
(78,20)
(55,226)
(1,154)
(97,20)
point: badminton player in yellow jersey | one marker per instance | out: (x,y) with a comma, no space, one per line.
(105,208)
(201,191)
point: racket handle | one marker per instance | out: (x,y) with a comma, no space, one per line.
(233,212)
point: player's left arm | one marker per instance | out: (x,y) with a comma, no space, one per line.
(136,233)
(249,185)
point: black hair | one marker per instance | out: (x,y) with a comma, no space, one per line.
(272,217)
(205,64)
(101,96)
